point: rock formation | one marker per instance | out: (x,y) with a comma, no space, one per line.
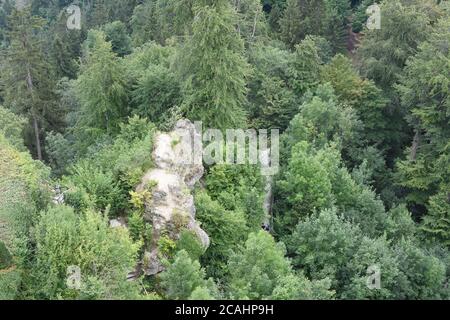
(178,167)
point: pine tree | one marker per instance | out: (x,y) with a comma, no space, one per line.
(436,223)
(361,95)
(185,278)
(103,11)
(26,76)
(304,67)
(215,68)
(302,18)
(252,23)
(425,93)
(256,270)
(102,90)
(384,52)
(116,33)
(65,47)
(160,20)
(315,17)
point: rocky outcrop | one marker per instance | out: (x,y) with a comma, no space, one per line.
(170,207)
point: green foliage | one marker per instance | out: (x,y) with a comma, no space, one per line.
(226,228)
(190,243)
(143,23)
(26,78)
(107,176)
(185,278)
(136,226)
(425,273)
(11,127)
(251,20)
(321,120)
(384,52)
(101,89)
(156,91)
(101,187)
(364,162)
(360,94)
(301,18)
(304,69)
(271,100)
(254,272)
(104,256)
(65,47)
(201,293)
(372,252)
(315,177)
(305,185)
(424,90)
(24,189)
(166,247)
(298,287)
(400,224)
(436,223)
(159,20)
(238,188)
(5,257)
(260,271)
(9,283)
(323,244)
(323,18)
(215,69)
(116,33)
(102,11)
(59,151)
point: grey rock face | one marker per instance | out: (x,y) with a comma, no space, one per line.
(178,167)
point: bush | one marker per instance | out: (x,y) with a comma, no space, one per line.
(100,186)
(5,257)
(190,243)
(227,229)
(136,226)
(183,277)
(104,255)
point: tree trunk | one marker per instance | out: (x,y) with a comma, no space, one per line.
(254,24)
(35,119)
(37,137)
(415,145)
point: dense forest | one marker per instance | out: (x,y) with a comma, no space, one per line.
(88,88)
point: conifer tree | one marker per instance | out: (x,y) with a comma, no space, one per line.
(215,67)
(425,93)
(26,76)
(101,88)
(302,17)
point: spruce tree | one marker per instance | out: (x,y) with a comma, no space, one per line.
(315,17)
(102,91)
(26,76)
(425,92)
(215,68)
